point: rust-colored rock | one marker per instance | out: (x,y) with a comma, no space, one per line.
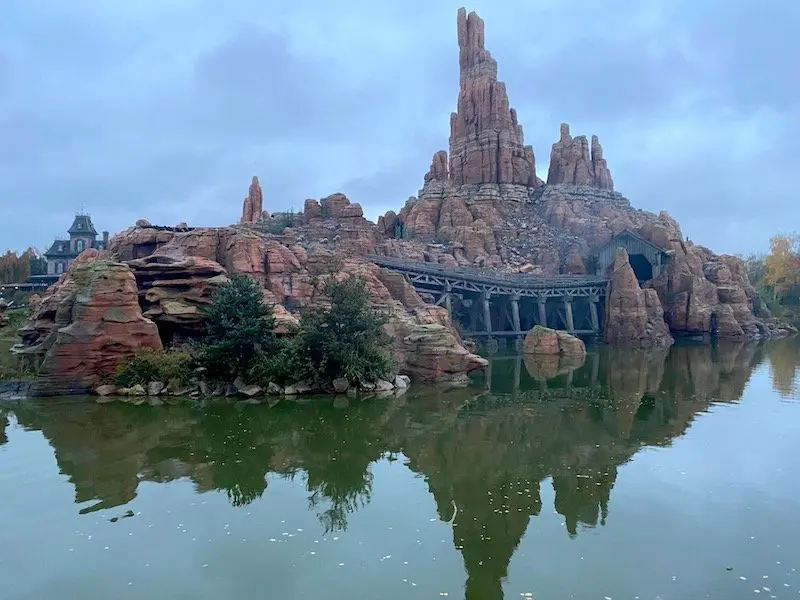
(253,205)
(486,141)
(546,341)
(571,162)
(633,316)
(174,291)
(439,168)
(85,324)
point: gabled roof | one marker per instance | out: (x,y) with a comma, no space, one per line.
(82,224)
(629,233)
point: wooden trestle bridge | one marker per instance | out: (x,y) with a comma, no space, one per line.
(494,304)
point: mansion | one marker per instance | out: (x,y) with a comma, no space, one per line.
(82,235)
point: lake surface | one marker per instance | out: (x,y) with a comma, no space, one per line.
(638,476)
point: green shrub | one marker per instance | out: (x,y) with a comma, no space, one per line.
(16,319)
(346,339)
(278,222)
(149,364)
(239,326)
(281,365)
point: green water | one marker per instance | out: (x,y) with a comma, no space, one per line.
(648,476)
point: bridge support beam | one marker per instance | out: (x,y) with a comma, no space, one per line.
(515,313)
(593,300)
(568,311)
(542,302)
(448,298)
(487,311)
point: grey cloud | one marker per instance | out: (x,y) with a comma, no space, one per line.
(166,110)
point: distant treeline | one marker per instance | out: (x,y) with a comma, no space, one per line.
(16,268)
(776,275)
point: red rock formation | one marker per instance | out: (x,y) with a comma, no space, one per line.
(633,316)
(174,291)
(546,341)
(426,345)
(486,141)
(253,205)
(86,323)
(438,170)
(571,162)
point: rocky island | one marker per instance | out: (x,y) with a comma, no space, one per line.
(482,211)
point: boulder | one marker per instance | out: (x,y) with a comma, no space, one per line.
(546,341)
(85,324)
(633,316)
(155,388)
(105,390)
(251,391)
(383,386)
(341,385)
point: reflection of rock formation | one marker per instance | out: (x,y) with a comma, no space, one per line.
(483,455)
(583,498)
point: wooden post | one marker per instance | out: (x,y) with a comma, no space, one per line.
(515,313)
(593,312)
(448,302)
(568,310)
(542,311)
(487,312)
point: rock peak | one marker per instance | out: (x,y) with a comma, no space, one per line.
(253,204)
(573,160)
(474,60)
(486,141)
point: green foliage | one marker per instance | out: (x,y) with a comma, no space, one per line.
(239,326)
(16,319)
(281,365)
(346,339)
(149,364)
(279,221)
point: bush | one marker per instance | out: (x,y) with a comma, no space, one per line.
(345,340)
(278,222)
(239,327)
(148,365)
(281,365)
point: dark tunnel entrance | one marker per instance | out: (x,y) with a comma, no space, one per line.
(641,267)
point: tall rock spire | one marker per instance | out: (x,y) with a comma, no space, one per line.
(486,141)
(253,204)
(571,161)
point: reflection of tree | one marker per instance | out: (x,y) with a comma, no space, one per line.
(3,425)
(784,359)
(483,453)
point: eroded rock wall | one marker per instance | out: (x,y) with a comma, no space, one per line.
(85,323)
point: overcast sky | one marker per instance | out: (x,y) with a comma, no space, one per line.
(164,109)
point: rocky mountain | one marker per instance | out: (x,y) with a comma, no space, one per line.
(481,205)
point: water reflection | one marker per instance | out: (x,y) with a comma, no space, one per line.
(484,451)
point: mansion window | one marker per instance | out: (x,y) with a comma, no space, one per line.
(59,268)
(79,246)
